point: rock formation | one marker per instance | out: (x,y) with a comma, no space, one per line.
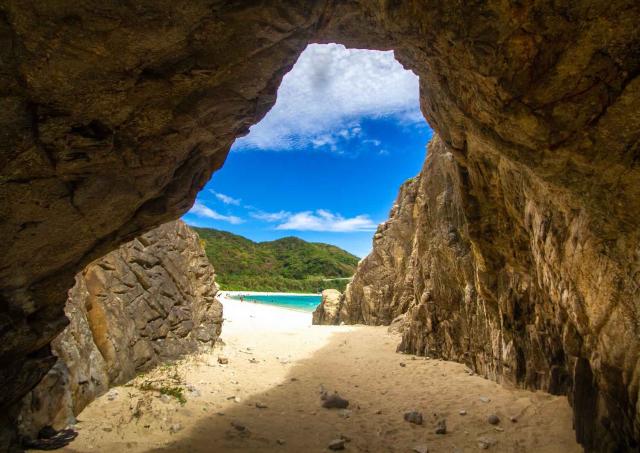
(328,310)
(493,297)
(149,301)
(114,114)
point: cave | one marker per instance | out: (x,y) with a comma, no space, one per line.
(114,115)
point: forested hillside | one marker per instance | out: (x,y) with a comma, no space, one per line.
(289,264)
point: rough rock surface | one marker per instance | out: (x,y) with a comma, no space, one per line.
(150,300)
(328,311)
(114,114)
(500,299)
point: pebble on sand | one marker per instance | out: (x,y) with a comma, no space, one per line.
(335,401)
(420,449)
(223,360)
(441,427)
(414,417)
(463,412)
(336,444)
(493,419)
(239,426)
(261,405)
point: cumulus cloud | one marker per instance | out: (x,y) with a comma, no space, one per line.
(324,98)
(323,220)
(270,216)
(226,199)
(201,210)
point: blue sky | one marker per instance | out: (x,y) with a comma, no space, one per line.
(326,162)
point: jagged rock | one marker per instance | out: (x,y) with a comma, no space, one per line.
(414,417)
(151,300)
(334,401)
(521,258)
(441,427)
(328,310)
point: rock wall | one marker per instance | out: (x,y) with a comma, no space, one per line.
(493,273)
(114,114)
(151,300)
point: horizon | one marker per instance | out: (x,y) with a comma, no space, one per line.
(346,126)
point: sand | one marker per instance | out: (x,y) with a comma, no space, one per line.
(278,361)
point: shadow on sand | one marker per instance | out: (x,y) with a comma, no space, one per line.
(381,385)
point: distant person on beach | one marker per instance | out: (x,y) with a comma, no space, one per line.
(241,298)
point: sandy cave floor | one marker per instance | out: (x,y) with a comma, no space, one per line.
(278,360)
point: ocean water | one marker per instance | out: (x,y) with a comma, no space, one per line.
(294,301)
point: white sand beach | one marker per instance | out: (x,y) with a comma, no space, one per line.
(267,398)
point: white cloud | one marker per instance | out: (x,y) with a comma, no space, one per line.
(270,216)
(323,99)
(226,199)
(322,220)
(200,210)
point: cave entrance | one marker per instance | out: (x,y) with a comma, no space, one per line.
(324,165)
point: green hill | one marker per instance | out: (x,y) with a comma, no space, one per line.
(288,264)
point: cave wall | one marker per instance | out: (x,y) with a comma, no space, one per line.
(113,115)
(499,291)
(149,301)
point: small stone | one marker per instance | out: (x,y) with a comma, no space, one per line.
(485,442)
(402,364)
(441,427)
(484,399)
(420,449)
(175,428)
(344,413)
(260,405)
(513,419)
(379,411)
(493,419)
(294,379)
(107,429)
(165,398)
(112,395)
(335,401)
(463,412)
(280,442)
(414,417)
(238,426)
(223,360)
(253,360)
(336,444)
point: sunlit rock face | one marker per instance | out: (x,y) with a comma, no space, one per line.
(114,115)
(151,300)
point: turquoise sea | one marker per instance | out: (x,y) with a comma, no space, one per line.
(294,301)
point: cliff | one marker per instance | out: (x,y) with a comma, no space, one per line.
(149,301)
(492,270)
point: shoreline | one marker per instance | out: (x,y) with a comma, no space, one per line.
(224,298)
(266,293)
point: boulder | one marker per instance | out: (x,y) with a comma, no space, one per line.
(149,301)
(328,312)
